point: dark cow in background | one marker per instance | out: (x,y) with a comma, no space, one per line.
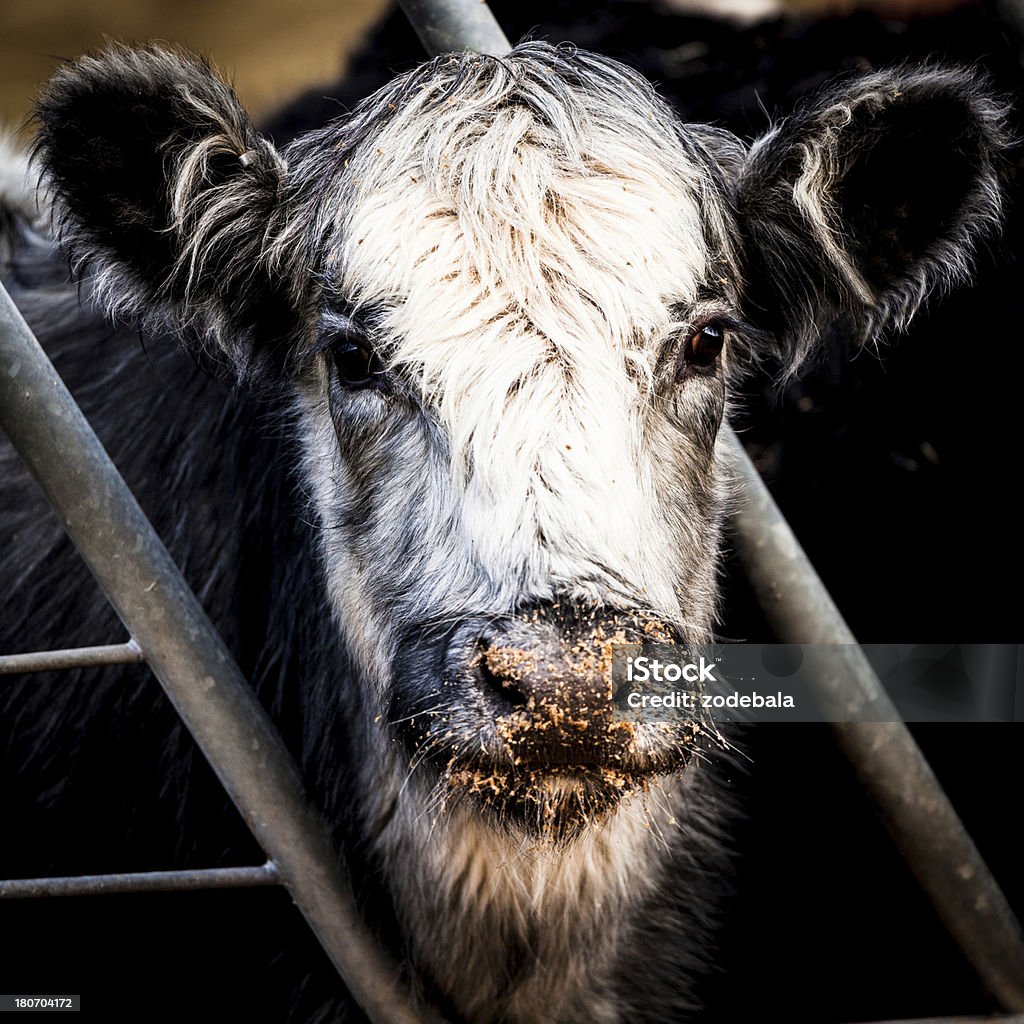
(234,274)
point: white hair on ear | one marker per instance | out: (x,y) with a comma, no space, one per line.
(869,199)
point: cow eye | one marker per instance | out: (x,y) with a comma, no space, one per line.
(704,346)
(355,362)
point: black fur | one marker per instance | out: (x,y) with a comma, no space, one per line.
(115,134)
(905,180)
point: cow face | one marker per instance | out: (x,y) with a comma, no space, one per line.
(508,296)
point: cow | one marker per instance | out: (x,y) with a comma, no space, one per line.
(494,316)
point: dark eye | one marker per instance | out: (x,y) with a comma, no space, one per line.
(704,346)
(355,362)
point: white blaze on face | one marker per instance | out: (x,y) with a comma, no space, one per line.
(528,253)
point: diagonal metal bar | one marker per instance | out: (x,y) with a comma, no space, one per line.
(189,658)
(76,657)
(141,881)
(445,25)
(908,797)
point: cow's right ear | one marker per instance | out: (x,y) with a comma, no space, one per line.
(165,196)
(870,198)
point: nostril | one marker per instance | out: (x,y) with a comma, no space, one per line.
(495,675)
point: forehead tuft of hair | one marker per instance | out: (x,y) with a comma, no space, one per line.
(548,197)
(546,137)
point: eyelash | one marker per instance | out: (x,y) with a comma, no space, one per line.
(701,347)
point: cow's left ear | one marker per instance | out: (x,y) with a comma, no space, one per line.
(868,199)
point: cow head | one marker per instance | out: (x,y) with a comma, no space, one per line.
(507,297)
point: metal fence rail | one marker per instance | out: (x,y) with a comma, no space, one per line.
(77,657)
(170,631)
(142,881)
(908,797)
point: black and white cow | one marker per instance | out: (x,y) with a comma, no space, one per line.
(492,318)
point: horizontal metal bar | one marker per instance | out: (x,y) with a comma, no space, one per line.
(190,659)
(905,791)
(75,657)
(141,881)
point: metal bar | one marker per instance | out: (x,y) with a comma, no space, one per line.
(77,657)
(912,804)
(188,657)
(445,25)
(141,881)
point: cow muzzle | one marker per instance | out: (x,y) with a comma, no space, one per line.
(545,679)
(520,715)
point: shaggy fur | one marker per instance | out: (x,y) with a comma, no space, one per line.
(528,247)
(842,200)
